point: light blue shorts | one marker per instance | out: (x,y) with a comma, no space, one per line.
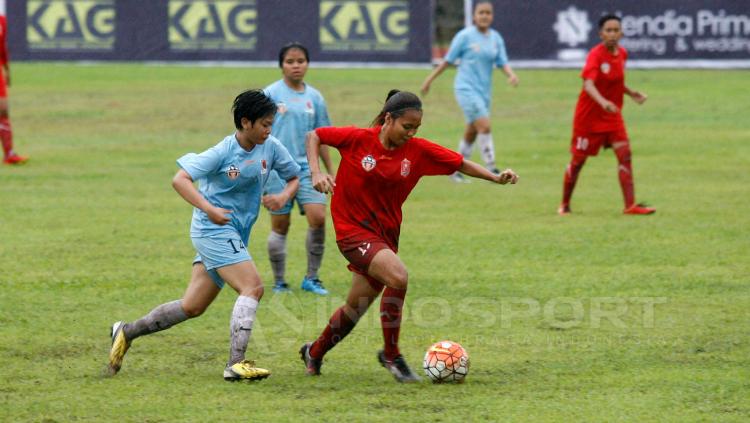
(473,106)
(305,195)
(216,252)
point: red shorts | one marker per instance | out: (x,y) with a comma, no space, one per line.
(3,87)
(589,143)
(359,252)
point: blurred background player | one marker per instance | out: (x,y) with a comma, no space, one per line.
(6,132)
(379,167)
(598,116)
(231,176)
(477,49)
(300,109)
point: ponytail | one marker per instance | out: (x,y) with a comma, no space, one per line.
(396,104)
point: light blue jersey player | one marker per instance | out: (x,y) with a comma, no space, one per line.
(300,109)
(230,176)
(476,50)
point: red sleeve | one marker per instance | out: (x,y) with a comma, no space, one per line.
(624,54)
(438,160)
(336,136)
(3,41)
(591,68)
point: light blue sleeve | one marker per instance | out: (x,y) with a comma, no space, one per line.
(502,55)
(283,163)
(321,113)
(200,165)
(458,44)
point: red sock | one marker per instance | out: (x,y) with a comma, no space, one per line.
(571,176)
(625,173)
(390,319)
(338,327)
(6,136)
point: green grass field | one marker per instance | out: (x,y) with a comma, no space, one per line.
(592,317)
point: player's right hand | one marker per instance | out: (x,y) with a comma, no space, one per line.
(218,215)
(323,182)
(610,107)
(425,88)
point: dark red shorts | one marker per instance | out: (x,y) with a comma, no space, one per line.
(359,252)
(589,143)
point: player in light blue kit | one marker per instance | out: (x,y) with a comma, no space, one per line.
(230,176)
(476,50)
(301,109)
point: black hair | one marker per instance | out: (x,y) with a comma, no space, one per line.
(608,17)
(478,2)
(291,46)
(397,103)
(252,105)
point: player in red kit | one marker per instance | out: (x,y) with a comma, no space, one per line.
(598,118)
(379,167)
(6,133)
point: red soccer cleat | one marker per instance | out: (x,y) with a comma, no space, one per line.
(563,210)
(639,209)
(15,159)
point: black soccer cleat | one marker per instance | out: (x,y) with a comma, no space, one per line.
(312,365)
(398,368)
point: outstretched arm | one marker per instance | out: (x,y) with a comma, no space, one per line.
(478,171)
(321,182)
(431,77)
(512,77)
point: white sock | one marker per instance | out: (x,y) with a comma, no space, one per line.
(243,316)
(465,149)
(487,149)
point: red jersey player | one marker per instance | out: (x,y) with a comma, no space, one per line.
(379,168)
(6,134)
(598,118)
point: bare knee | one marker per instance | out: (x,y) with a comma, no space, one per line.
(193,310)
(255,292)
(398,278)
(281,227)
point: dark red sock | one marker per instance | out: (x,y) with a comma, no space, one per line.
(6,136)
(625,173)
(391,305)
(338,327)
(571,177)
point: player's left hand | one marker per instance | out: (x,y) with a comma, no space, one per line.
(638,97)
(508,175)
(274,202)
(513,80)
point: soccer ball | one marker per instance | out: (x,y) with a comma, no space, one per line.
(446,361)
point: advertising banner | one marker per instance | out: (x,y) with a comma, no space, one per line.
(666,30)
(225,30)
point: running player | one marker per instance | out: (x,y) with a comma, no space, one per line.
(300,109)
(379,168)
(598,116)
(231,176)
(6,132)
(476,50)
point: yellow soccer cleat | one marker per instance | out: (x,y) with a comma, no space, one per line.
(245,370)
(120,346)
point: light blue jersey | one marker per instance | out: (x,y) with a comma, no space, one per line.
(478,54)
(233,178)
(297,114)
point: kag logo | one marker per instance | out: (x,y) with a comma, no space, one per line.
(70,25)
(213,25)
(364,25)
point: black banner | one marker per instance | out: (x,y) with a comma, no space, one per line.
(653,30)
(227,30)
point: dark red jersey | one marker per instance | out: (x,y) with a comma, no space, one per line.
(607,70)
(372,182)
(3,41)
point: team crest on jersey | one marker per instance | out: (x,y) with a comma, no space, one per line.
(368,163)
(405,167)
(309,109)
(233,172)
(475,47)
(263,167)
(605,67)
